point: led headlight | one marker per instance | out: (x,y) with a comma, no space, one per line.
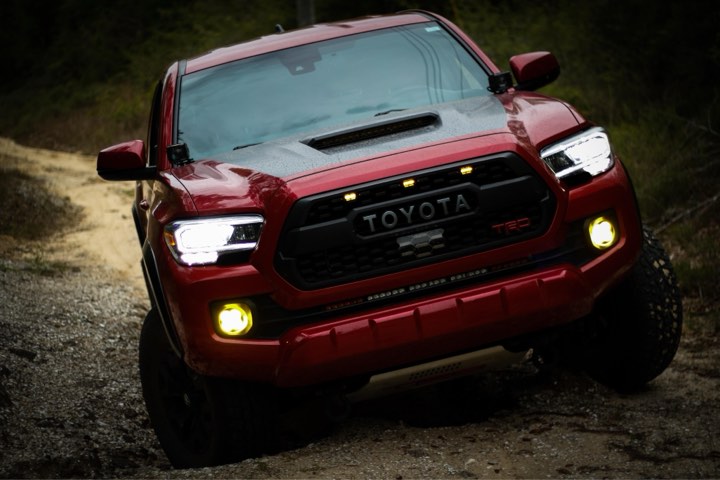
(588,152)
(203,241)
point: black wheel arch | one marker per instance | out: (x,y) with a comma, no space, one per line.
(157,297)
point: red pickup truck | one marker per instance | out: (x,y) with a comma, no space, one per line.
(356,207)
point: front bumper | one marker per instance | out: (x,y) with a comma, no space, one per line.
(415,331)
(379,338)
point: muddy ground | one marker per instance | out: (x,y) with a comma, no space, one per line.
(71,306)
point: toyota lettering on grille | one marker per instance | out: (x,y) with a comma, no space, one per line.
(416,213)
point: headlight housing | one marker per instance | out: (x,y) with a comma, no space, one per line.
(204,241)
(588,152)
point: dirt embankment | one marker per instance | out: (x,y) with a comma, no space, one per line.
(70,404)
(104,236)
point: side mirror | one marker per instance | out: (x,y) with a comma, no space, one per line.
(534,70)
(125,161)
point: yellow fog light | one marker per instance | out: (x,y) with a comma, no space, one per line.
(234,319)
(602,232)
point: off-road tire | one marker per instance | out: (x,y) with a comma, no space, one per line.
(640,323)
(199,420)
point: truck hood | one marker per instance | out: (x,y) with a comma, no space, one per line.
(378,135)
(240,179)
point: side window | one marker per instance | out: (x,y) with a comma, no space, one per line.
(153,134)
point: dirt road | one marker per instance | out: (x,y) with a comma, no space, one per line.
(106,236)
(70,404)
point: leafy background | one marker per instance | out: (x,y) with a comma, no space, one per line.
(78,75)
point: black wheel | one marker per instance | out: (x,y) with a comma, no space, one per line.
(199,420)
(640,323)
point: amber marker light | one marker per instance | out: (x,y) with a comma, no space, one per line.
(602,233)
(350,197)
(169,238)
(408,183)
(466,170)
(234,319)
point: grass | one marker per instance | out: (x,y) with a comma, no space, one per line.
(699,264)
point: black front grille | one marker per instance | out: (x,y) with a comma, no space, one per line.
(335,206)
(419,218)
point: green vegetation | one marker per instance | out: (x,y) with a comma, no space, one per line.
(79,74)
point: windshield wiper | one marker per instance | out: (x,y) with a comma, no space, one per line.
(240,147)
(390,111)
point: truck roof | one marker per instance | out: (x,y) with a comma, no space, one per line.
(315,33)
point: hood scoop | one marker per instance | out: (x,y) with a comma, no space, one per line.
(374,137)
(364,133)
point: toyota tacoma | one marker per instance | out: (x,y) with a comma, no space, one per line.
(352,208)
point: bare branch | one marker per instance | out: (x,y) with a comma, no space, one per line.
(688,212)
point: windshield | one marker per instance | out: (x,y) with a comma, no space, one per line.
(324,85)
